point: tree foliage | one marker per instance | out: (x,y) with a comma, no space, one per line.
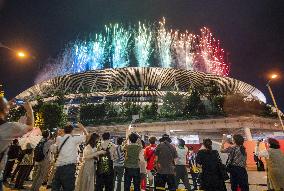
(173,104)
(53,116)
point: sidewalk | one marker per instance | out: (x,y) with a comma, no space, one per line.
(255,178)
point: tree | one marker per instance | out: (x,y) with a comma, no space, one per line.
(150,111)
(91,112)
(53,116)
(16,113)
(194,105)
(129,108)
(173,105)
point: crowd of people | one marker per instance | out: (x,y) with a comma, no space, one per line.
(87,162)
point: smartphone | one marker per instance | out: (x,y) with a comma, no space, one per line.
(229,136)
(19,102)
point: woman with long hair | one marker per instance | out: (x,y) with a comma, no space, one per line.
(86,177)
(236,163)
(274,160)
(211,177)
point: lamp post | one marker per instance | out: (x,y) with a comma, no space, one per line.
(274,76)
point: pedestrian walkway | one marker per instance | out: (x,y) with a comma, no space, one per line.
(256,179)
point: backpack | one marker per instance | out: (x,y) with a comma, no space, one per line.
(105,163)
(39,155)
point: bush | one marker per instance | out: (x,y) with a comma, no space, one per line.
(52,116)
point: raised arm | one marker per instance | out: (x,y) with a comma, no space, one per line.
(30,115)
(82,128)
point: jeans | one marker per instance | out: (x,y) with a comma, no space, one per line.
(162,179)
(64,178)
(118,174)
(239,177)
(181,173)
(105,181)
(132,173)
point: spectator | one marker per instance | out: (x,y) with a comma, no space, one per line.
(132,169)
(275,161)
(119,163)
(86,177)
(25,167)
(64,176)
(42,160)
(143,170)
(150,158)
(181,170)
(166,155)
(210,177)
(236,162)
(193,169)
(105,173)
(13,154)
(53,154)
(11,130)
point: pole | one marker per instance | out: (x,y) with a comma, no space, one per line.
(275,105)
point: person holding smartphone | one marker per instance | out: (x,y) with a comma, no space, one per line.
(236,165)
(11,130)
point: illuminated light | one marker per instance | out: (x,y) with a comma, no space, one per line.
(21,54)
(274,76)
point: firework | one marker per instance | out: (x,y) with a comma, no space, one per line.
(142,46)
(164,42)
(97,52)
(119,49)
(184,46)
(112,48)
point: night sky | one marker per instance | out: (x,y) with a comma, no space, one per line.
(251,31)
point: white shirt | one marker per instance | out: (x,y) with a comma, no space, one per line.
(10,131)
(182,154)
(69,151)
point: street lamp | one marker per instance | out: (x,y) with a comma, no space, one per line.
(19,54)
(272,77)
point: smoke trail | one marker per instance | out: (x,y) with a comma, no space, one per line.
(142,47)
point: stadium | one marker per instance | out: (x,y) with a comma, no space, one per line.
(134,84)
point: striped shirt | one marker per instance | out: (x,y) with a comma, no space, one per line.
(119,156)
